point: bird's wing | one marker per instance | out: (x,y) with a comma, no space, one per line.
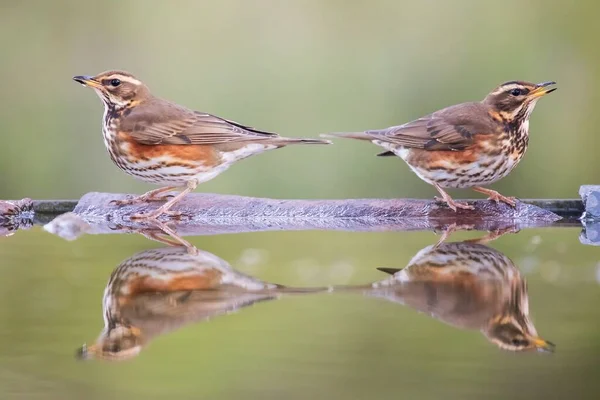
(172,124)
(451,128)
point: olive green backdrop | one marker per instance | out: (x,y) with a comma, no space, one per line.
(299,68)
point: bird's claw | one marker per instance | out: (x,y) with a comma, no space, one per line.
(454,205)
(140,199)
(153,216)
(124,202)
(511,201)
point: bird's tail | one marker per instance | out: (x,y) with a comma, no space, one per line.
(286,141)
(349,135)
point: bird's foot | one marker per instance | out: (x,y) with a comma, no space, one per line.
(140,199)
(153,216)
(493,235)
(151,196)
(497,197)
(454,205)
(449,230)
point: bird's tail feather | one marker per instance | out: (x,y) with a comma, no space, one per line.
(287,141)
(348,135)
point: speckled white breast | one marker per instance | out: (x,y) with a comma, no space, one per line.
(157,170)
(485,171)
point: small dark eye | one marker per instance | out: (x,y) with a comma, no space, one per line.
(518,342)
(516,92)
(115,82)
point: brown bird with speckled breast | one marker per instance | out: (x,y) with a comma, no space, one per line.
(468,145)
(469,286)
(158,291)
(163,143)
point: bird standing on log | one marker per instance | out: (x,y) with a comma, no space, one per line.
(163,143)
(468,145)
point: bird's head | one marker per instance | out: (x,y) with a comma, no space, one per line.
(509,334)
(516,100)
(117,344)
(117,89)
(512,329)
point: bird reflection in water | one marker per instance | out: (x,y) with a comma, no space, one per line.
(157,291)
(467,285)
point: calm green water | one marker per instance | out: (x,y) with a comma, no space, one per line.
(329,345)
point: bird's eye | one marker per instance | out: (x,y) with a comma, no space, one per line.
(518,342)
(516,92)
(115,82)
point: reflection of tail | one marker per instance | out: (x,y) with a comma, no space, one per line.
(296,290)
(348,135)
(372,287)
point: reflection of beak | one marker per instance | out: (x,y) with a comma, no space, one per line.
(93,352)
(87,81)
(85,352)
(541,89)
(543,345)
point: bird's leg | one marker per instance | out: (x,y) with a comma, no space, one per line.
(497,197)
(445,235)
(449,230)
(173,239)
(493,235)
(165,208)
(450,201)
(152,195)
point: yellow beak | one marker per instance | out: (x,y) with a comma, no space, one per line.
(541,89)
(543,345)
(87,81)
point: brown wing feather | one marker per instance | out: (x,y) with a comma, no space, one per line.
(178,125)
(451,128)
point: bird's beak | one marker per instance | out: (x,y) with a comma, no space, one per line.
(541,89)
(85,352)
(94,352)
(87,81)
(544,346)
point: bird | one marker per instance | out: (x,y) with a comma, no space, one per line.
(468,145)
(167,144)
(15,215)
(470,286)
(157,291)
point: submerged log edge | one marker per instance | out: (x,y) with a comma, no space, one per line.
(198,206)
(207,214)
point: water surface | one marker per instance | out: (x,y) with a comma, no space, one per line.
(322,345)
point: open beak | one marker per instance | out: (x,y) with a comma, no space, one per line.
(85,352)
(87,81)
(94,352)
(544,346)
(542,89)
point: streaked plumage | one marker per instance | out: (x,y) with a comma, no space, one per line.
(157,291)
(164,143)
(469,286)
(468,145)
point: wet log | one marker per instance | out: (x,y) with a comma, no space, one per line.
(214,214)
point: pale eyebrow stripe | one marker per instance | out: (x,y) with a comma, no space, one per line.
(128,79)
(506,88)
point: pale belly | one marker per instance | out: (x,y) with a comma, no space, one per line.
(170,175)
(168,171)
(448,173)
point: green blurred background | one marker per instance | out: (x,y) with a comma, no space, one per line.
(299,68)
